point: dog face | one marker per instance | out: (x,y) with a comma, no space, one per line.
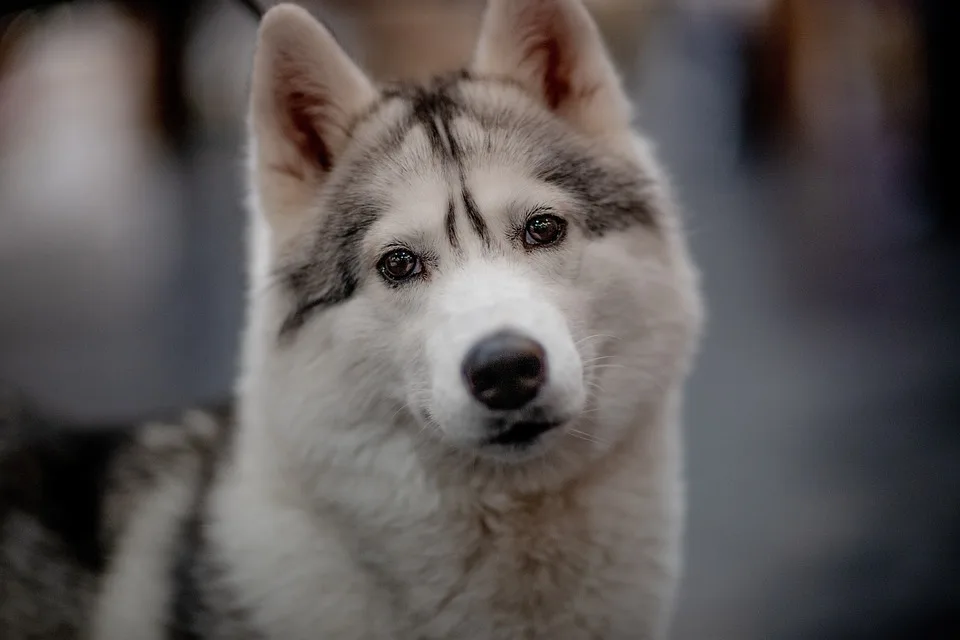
(489,261)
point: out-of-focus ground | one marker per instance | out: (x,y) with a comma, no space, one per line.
(823,419)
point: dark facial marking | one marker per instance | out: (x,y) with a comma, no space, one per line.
(612,198)
(450,222)
(613,195)
(477,222)
(434,108)
(414,94)
(332,273)
(456,154)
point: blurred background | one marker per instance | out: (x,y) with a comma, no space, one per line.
(808,142)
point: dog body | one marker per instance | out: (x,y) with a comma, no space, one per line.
(471,312)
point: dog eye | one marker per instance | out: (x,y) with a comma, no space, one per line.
(544,230)
(399,265)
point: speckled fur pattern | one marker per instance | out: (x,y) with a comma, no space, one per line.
(70,498)
(357,491)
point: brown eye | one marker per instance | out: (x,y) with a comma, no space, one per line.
(399,265)
(543,230)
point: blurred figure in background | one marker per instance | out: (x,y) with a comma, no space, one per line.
(87,239)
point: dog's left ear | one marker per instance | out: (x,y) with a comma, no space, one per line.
(554,50)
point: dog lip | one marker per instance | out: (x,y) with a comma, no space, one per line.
(522,433)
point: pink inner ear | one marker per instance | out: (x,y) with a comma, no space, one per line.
(544,48)
(550,47)
(304,114)
(556,71)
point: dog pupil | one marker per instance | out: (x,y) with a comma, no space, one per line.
(400,263)
(542,229)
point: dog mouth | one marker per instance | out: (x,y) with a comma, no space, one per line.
(522,434)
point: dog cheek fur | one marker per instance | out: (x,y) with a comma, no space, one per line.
(646,337)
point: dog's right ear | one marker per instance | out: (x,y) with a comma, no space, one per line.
(553,49)
(304,92)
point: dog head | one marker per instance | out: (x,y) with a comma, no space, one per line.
(490,261)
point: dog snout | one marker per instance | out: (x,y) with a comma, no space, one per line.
(505,370)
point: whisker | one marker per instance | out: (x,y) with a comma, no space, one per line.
(588,436)
(396,413)
(596,359)
(594,337)
(583,435)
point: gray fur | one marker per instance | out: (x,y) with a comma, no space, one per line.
(612,193)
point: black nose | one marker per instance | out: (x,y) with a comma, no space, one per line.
(505,370)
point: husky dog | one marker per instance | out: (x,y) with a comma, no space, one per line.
(471,313)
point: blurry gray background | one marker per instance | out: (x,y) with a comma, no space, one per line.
(822,420)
